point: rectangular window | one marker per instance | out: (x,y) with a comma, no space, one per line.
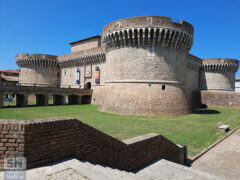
(97,75)
(78,76)
(163,87)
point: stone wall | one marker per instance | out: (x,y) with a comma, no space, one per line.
(69,77)
(195,99)
(217,81)
(49,140)
(87,74)
(146,63)
(218,74)
(147,99)
(192,79)
(193,69)
(98,94)
(39,76)
(220,98)
(144,55)
(141,81)
(38,70)
(78,54)
(85,62)
(86,44)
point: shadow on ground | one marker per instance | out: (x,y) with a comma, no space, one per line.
(205,111)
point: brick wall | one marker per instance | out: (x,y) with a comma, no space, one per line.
(12,135)
(217,81)
(39,76)
(49,140)
(86,44)
(220,98)
(195,99)
(144,100)
(69,79)
(134,82)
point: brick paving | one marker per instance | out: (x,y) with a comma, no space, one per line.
(223,160)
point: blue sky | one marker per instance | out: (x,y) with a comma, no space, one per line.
(47,26)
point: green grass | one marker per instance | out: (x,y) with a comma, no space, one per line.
(197,130)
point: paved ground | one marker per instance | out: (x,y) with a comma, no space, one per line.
(223,160)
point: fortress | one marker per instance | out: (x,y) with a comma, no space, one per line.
(138,66)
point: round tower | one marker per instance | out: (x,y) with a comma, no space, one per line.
(37,70)
(218,74)
(146,63)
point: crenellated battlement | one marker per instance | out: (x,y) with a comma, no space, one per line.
(147,21)
(36,56)
(148,36)
(147,31)
(36,60)
(220,68)
(76,61)
(220,65)
(80,58)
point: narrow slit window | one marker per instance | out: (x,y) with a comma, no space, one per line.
(78,76)
(163,87)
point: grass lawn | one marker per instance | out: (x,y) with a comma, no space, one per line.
(197,130)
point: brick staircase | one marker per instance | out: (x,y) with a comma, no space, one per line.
(49,140)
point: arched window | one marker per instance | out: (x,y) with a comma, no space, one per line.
(88,85)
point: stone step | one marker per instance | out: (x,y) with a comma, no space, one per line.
(110,172)
(168,170)
(118,174)
(88,171)
(74,169)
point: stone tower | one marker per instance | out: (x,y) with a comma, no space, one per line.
(38,70)
(146,65)
(218,74)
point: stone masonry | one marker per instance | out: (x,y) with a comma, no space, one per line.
(38,70)
(147,55)
(218,74)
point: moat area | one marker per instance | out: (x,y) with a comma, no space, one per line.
(197,130)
